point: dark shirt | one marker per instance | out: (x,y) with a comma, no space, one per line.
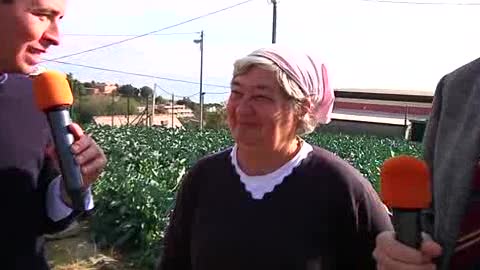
(25,173)
(324,215)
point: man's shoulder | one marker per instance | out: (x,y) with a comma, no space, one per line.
(15,78)
(469,72)
(18,86)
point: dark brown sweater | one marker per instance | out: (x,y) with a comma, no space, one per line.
(324,215)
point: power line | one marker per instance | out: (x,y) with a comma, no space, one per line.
(152,32)
(190,95)
(168,93)
(137,74)
(216,93)
(422,3)
(126,35)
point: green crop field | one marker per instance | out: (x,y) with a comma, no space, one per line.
(137,190)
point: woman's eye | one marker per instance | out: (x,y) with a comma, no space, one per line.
(262,98)
(236,94)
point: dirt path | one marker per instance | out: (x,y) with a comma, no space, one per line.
(76,251)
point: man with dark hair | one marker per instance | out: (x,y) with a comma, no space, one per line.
(27,29)
(33,197)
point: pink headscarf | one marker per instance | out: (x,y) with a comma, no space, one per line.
(309,74)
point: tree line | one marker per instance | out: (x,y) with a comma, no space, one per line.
(127,99)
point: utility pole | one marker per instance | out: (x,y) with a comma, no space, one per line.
(200,41)
(173,101)
(153,103)
(128,110)
(147,118)
(274,23)
(113,99)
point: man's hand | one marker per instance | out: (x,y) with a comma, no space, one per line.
(88,155)
(391,254)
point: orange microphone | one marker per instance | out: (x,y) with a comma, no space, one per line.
(405,188)
(54,97)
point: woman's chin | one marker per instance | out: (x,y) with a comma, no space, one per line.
(248,141)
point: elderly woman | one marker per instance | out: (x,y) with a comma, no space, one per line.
(273,201)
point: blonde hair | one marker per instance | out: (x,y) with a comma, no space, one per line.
(307,122)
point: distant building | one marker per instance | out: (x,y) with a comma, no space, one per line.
(212,109)
(178,110)
(215,107)
(106,88)
(101,89)
(121,120)
(384,102)
(382,112)
(92,91)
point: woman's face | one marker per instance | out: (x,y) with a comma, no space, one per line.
(259,113)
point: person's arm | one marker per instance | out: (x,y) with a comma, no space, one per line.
(430,136)
(91,159)
(371,217)
(59,205)
(391,254)
(429,140)
(176,247)
(50,225)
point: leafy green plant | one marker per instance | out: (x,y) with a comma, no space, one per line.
(365,153)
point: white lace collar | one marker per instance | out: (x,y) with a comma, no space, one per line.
(259,185)
(3,77)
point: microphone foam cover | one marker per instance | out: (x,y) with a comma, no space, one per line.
(405,183)
(51,89)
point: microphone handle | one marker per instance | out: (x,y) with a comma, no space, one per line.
(407,224)
(59,121)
